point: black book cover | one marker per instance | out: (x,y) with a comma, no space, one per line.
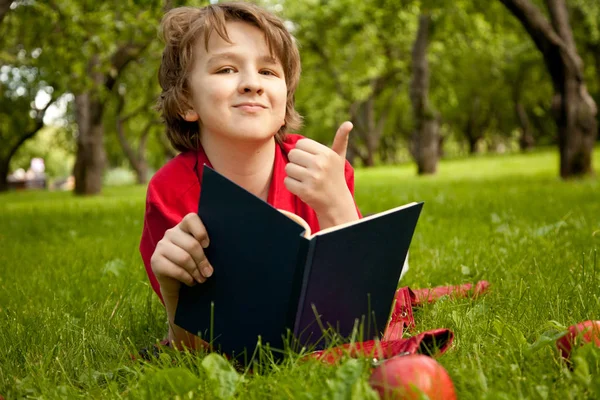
(254,251)
(268,278)
(353,275)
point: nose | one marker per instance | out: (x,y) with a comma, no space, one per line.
(250,82)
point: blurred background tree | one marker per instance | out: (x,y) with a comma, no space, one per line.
(78,81)
(573,109)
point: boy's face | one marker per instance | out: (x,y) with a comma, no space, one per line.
(238,90)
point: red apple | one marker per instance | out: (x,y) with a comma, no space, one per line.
(408,377)
(580,334)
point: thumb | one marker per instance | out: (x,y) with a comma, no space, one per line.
(340,142)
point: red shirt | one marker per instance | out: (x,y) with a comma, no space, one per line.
(174,191)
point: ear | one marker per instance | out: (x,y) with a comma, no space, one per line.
(190,116)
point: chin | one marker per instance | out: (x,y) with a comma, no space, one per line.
(249,134)
(258,137)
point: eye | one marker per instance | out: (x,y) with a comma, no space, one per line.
(226,70)
(268,72)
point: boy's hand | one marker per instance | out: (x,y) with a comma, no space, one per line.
(179,256)
(315,173)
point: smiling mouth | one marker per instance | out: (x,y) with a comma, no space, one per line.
(250,107)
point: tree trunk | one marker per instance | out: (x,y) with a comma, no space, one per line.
(5,159)
(425,139)
(373,135)
(597,62)
(425,145)
(4,8)
(473,142)
(4,163)
(441,141)
(21,139)
(573,108)
(477,123)
(91,157)
(577,130)
(366,152)
(142,172)
(370,159)
(526,140)
(596,52)
(367,126)
(136,159)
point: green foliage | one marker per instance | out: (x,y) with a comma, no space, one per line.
(587,368)
(18,112)
(481,61)
(222,376)
(345,45)
(78,46)
(350,382)
(139,88)
(54,145)
(85,35)
(587,37)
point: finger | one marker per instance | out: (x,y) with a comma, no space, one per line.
(193,225)
(190,245)
(311,146)
(294,186)
(301,157)
(170,269)
(340,142)
(184,260)
(296,171)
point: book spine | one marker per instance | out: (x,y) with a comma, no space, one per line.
(297,283)
(310,252)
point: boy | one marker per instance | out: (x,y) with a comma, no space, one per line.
(228,76)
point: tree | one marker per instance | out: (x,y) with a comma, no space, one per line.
(135,157)
(134,130)
(573,108)
(90,106)
(587,37)
(82,47)
(352,67)
(92,44)
(426,137)
(20,120)
(22,82)
(4,8)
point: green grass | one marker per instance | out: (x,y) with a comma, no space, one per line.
(75,301)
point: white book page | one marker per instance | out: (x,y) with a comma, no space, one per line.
(370,217)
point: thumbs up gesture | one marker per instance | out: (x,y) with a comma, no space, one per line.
(315,173)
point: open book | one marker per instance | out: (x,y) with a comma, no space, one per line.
(272,277)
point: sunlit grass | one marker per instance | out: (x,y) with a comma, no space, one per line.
(75,302)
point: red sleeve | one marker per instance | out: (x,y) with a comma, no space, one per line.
(349,173)
(172,193)
(156,222)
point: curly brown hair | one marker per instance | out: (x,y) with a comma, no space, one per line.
(180,29)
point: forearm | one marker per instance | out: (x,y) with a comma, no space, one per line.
(343,212)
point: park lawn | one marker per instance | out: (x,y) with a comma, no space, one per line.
(75,301)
